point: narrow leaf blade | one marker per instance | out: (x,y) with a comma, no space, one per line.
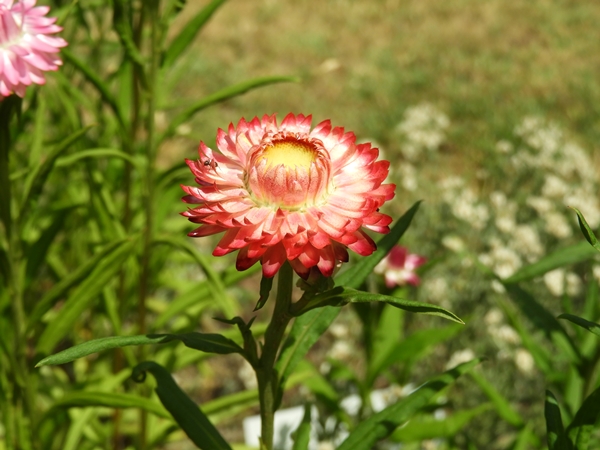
(189,32)
(205,342)
(586,230)
(382,424)
(185,412)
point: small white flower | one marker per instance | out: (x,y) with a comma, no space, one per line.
(555,281)
(573,284)
(524,361)
(459,357)
(493,317)
(541,204)
(557,225)
(555,187)
(454,243)
(507,334)
(504,146)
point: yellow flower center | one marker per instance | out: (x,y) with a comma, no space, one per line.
(290,153)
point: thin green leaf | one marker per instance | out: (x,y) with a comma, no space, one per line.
(83,399)
(586,230)
(66,161)
(227,304)
(382,424)
(583,323)
(429,427)
(307,328)
(186,36)
(340,296)
(40,172)
(543,320)
(82,296)
(220,96)
(563,257)
(96,81)
(301,436)
(36,253)
(200,292)
(185,412)
(122,25)
(584,421)
(557,438)
(9,107)
(76,277)
(204,342)
(502,405)
(412,348)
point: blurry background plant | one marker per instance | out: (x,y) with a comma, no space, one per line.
(489,112)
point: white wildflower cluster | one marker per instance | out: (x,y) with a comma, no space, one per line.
(423,128)
(570,176)
(464,202)
(502,259)
(508,341)
(560,282)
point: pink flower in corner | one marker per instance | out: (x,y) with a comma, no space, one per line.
(286,192)
(26,48)
(399,266)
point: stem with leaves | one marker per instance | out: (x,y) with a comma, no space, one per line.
(268,379)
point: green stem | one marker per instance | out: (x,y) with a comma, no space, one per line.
(267,376)
(23,403)
(150,9)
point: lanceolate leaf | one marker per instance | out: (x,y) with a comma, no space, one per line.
(430,427)
(585,419)
(560,258)
(583,323)
(382,424)
(220,96)
(96,81)
(557,438)
(189,32)
(307,328)
(81,297)
(40,172)
(84,399)
(94,153)
(340,296)
(205,342)
(542,319)
(74,278)
(301,436)
(502,405)
(36,253)
(586,230)
(215,284)
(185,412)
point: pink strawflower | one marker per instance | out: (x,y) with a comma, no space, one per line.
(399,266)
(26,48)
(286,192)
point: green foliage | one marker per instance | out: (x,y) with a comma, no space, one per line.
(385,422)
(185,412)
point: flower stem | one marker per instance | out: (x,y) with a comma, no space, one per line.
(267,376)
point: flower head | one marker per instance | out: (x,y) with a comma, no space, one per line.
(26,48)
(399,266)
(286,192)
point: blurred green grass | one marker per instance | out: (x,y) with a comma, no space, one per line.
(485,63)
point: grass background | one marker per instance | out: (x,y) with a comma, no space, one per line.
(486,64)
